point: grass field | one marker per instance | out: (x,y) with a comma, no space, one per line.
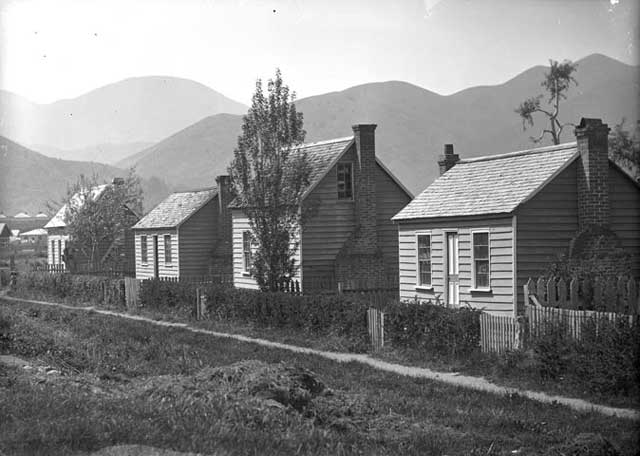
(128,382)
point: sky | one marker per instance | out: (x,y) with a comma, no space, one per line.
(50,50)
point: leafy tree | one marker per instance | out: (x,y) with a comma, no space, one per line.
(556,83)
(269,176)
(95,218)
(624,149)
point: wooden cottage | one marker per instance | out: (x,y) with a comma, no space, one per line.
(349,236)
(488,224)
(186,235)
(62,253)
(5,235)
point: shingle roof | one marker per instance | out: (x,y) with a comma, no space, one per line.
(4,229)
(77,200)
(495,184)
(321,156)
(175,209)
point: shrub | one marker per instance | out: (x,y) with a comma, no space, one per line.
(433,328)
(606,360)
(70,288)
(166,296)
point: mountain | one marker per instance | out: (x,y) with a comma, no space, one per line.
(413,123)
(145,109)
(29,180)
(101,153)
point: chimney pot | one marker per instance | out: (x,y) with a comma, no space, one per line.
(448,149)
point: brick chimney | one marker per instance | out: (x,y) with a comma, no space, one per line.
(448,160)
(593,173)
(225,195)
(365,138)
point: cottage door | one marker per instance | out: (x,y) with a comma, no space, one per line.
(453,282)
(156,271)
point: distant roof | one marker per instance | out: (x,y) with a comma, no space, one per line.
(175,209)
(4,230)
(42,215)
(15,233)
(36,232)
(22,215)
(77,201)
(495,184)
(2,215)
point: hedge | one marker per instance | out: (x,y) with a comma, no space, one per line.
(70,288)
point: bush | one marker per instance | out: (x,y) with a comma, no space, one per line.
(431,327)
(70,288)
(434,328)
(606,360)
(165,296)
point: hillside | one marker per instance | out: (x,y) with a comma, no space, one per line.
(101,153)
(29,180)
(145,109)
(413,123)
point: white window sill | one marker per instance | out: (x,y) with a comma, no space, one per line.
(480,290)
(246,274)
(424,288)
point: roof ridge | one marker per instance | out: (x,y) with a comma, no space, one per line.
(325,141)
(538,150)
(195,190)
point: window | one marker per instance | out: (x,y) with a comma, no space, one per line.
(246,251)
(59,251)
(167,248)
(481,259)
(53,252)
(424,260)
(143,249)
(345,181)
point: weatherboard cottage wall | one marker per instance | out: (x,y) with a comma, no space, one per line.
(624,201)
(146,270)
(545,226)
(197,238)
(332,222)
(242,278)
(499,299)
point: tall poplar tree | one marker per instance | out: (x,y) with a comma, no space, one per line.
(269,177)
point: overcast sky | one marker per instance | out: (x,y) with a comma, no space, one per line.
(60,49)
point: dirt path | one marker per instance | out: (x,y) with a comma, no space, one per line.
(465,381)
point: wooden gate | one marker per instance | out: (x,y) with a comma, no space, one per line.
(500,333)
(375,324)
(131,292)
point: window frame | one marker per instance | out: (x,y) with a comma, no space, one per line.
(144,249)
(419,284)
(474,280)
(351,188)
(247,253)
(169,260)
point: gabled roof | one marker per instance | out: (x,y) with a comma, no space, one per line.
(495,184)
(175,209)
(36,232)
(4,230)
(322,156)
(77,200)
(22,215)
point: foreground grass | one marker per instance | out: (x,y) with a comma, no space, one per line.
(414,416)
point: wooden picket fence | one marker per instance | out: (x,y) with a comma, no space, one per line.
(500,333)
(542,319)
(617,296)
(375,326)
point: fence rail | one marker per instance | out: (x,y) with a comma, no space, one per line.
(617,295)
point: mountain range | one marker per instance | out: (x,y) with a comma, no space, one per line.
(193,130)
(413,123)
(135,110)
(30,181)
